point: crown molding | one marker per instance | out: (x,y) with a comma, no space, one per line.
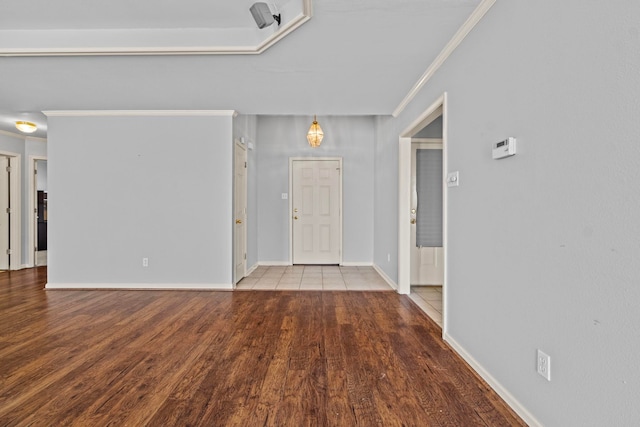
(12,134)
(450,47)
(139,113)
(286,29)
(21,136)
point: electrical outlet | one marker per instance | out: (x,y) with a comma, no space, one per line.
(543,365)
(388,257)
(145,262)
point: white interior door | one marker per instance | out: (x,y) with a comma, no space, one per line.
(4,215)
(427,262)
(240,212)
(316,216)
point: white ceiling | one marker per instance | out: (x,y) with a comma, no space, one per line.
(124,14)
(356,57)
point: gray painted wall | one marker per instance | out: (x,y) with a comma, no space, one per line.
(281,137)
(543,247)
(432,130)
(124,188)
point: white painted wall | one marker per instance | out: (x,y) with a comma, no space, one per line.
(124,188)
(281,137)
(543,247)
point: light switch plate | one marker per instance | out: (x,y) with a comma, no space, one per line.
(453,179)
(285,196)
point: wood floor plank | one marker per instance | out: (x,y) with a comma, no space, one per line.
(257,358)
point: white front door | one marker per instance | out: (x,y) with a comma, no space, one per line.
(427,262)
(240,212)
(316,216)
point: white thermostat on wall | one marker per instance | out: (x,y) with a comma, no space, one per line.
(504,148)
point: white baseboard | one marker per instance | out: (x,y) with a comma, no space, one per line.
(274,263)
(381,272)
(251,269)
(142,286)
(493,383)
(356,264)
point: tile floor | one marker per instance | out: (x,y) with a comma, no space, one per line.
(429,299)
(314,277)
(335,278)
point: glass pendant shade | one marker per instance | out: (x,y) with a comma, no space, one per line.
(315,134)
(26,127)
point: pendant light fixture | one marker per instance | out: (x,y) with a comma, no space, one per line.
(26,127)
(315,134)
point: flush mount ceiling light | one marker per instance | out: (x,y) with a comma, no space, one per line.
(26,127)
(263,16)
(315,134)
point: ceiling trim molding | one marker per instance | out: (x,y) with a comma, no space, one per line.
(12,134)
(139,113)
(450,47)
(21,136)
(271,40)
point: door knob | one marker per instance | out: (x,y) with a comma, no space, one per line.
(413,220)
(295,210)
(238,221)
(295,217)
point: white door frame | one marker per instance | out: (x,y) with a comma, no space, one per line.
(16,209)
(239,146)
(31,230)
(439,107)
(291,160)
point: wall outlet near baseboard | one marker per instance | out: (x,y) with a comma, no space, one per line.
(145,262)
(543,365)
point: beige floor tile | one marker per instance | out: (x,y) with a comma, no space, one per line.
(311,286)
(337,281)
(267,281)
(243,285)
(264,286)
(288,286)
(358,287)
(436,304)
(380,287)
(334,287)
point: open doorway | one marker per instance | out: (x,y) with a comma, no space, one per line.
(427,251)
(38,207)
(422,255)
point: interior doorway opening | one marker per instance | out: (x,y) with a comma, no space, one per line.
(422,261)
(41,212)
(38,211)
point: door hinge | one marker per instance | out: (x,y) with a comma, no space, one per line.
(245,256)
(35,171)
(245,165)
(8,251)
(8,210)
(9,169)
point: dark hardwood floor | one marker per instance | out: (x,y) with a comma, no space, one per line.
(244,358)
